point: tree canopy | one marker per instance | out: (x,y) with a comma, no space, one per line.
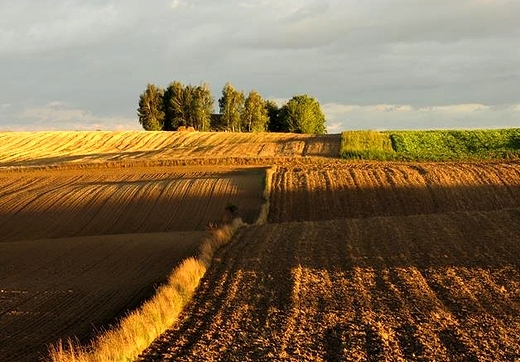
(255,116)
(302,114)
(151,108)
(189,106)
(231,106)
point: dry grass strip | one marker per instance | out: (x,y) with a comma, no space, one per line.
(141,327)
(264,210)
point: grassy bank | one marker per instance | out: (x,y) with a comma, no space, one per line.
(140,328)
(447,145)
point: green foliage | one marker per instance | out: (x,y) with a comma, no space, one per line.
(302,114)
(187,106)
(433,145)
(363,145)
(231,106)
(174,106)
(192,106)
(273,112)
(255,117)
(151,108)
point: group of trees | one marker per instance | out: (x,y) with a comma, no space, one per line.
(192,106)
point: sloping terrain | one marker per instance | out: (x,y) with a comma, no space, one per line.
(58,148)
(353,190)
(404,262)
(73,287)
(39,205)
(80,249)
(443,287)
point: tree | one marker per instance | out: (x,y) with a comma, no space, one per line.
(151,108)
(188,106)
(273,112)
(255,117)
(231,106)
(302,114)
(201,107)
(174,106)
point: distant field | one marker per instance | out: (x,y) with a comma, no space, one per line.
(432,145)
(149,148)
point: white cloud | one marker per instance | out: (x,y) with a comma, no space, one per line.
(387,117)
(58,115)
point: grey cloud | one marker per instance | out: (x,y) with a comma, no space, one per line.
(358,52)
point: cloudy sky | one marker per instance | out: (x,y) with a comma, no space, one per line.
(385,64)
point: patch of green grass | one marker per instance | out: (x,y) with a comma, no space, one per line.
(445,145)
(366,145)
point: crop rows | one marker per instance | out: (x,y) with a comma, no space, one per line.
(441,287)
(51,148)
(78,250)
(366,261)
(353,190)
(49,205)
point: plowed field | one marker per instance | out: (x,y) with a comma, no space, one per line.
(355,190)
(54,148)
(39,205)
(73,287)
(79,249)
(396,262)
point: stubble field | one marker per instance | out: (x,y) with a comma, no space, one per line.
(152,148)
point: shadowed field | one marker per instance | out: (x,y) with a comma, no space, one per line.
(73,287)
(80,249)
(39,204)
(414,262)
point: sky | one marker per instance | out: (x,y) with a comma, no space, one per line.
(381,65)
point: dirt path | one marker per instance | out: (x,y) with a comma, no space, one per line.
(440,287)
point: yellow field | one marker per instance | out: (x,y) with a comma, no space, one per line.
(58,148)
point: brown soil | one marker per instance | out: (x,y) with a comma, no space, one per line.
(355,190)
(439,287)
(80,249)
(404,262)
(67,288)
(56,204)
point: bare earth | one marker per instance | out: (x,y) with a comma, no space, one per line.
(388,262)
(74,287)
(78,249)
(359,261)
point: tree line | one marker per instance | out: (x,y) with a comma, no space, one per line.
(183,106)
